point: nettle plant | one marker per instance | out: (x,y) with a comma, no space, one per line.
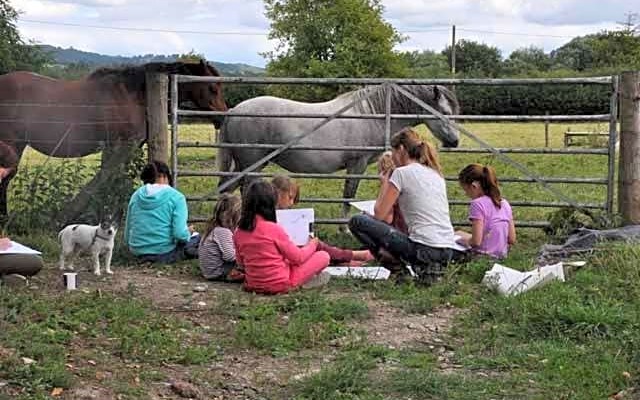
(40,193)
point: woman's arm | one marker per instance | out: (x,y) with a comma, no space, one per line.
(387,197)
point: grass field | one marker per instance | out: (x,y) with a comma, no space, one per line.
(132,335)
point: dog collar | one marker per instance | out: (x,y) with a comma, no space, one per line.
(96,236)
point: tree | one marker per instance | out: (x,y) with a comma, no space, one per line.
(526,60)
(331,38)
(426,64)
(15,54)
(475,59)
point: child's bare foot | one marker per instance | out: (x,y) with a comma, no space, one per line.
(362,255)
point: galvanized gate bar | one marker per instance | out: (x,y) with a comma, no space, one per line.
(613,126)
(174,128)
(597,80)
(525,150)
(328,200)
(486,118)
(190,173)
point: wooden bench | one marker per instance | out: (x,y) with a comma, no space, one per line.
(569,135)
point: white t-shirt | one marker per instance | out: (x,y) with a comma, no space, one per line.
(424,205)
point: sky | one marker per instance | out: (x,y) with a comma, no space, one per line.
(236,30)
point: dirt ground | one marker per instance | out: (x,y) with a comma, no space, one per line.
(238,373)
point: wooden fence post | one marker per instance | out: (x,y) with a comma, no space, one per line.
(629,164)
(157,119)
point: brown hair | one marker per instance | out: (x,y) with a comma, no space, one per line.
(8,157)
(486,176)
(226,213)
(416,148)
(283,183)
(385,163)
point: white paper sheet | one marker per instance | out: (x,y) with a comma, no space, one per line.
(508,281)
(458,246)
(298,223)
(365,205)
(377,273)
(17,248)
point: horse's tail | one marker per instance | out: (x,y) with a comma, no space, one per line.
(225,156)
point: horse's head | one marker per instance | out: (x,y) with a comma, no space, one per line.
(445,101)
(204,96)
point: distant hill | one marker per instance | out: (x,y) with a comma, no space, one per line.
(93,60)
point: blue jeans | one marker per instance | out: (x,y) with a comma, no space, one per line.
(181,252)
(376,235)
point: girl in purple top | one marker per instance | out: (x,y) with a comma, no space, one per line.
(492,227)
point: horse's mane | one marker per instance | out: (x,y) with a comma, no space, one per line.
(133,76)
(401,104)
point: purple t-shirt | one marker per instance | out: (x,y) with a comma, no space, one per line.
(495,235)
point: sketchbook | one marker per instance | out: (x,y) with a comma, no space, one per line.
(365,205)
(17,248)
(375,273)
(298,223)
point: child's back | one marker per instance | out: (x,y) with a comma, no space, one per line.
(216,253)
(496,222)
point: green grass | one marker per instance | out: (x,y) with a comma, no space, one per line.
(125,329)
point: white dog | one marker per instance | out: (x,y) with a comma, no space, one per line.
(96,240)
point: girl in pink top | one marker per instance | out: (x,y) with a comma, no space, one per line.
(272,262)
(492,227)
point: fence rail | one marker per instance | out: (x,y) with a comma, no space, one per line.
(596,80)
(191,173)
(506,150)
(485,118)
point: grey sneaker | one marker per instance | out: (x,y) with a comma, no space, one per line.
(14,280)
(318,280)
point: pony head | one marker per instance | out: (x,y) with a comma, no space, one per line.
(443,100)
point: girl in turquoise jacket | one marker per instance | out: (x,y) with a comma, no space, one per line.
(156,226)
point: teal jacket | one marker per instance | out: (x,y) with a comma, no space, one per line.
(156,220)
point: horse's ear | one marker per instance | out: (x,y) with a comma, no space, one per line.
(436,92)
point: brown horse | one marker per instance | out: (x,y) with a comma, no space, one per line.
(77,118)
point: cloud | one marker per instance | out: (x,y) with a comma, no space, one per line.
(475,19)
(44,9)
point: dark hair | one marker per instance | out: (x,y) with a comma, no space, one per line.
(258,199)
(8,157)
(225,214)
(283,183)
(416,148)
(486,176)
(152,171)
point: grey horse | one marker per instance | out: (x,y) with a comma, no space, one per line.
(339,132)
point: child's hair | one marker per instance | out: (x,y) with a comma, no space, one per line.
(283,183)
(258,199)
(8,157)
(226,213)
(385,163)
(416,148)
(153,170)
(486,176)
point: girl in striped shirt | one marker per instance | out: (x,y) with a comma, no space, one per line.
(217,254)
